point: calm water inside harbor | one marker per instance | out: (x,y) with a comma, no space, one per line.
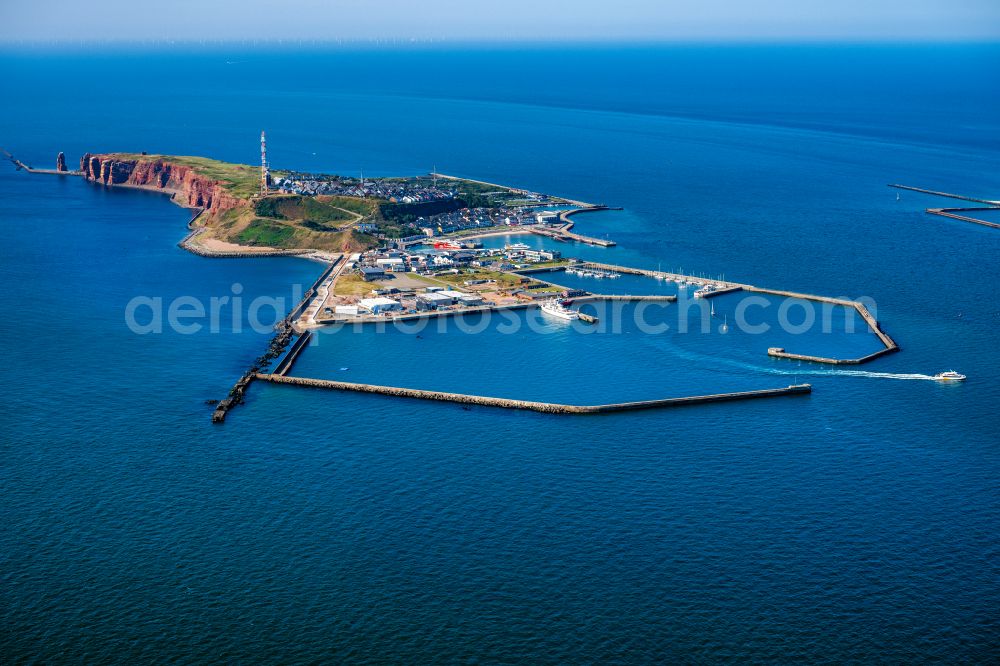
(858,523)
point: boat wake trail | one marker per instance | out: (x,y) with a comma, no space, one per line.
(852,373)
(801,371)
(881,375)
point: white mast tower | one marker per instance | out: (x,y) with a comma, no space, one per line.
(264,173)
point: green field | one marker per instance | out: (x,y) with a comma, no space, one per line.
(311,212)
(363,207)
(265,233)
(352,284)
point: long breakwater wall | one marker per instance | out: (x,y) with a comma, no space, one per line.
(664,298)
(544,407)
(286,363)
(953,213)
(564,233)
(724,287)
(889,345)
(283,335)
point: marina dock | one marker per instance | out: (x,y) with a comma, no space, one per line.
(663,275)
(544,407)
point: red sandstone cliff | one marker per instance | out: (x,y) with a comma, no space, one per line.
(188,187)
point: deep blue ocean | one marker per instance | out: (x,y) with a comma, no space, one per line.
(857,524)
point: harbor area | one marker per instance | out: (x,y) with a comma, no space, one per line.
(398,283)
(528,356)
(450,279)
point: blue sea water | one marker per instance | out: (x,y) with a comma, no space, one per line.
(856,524)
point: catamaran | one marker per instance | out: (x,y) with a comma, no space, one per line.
(950,376)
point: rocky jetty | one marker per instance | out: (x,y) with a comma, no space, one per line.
(61,162)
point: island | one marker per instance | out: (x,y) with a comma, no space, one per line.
(403,248)
(303,212)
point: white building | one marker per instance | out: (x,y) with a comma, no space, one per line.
(470,299)
(436,298)
(394,264)
(455,296)
(351,310)
(380,305)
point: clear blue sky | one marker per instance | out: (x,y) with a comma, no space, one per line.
(500,20)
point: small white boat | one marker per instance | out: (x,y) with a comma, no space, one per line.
(725,325)
(557,309)
(950,376)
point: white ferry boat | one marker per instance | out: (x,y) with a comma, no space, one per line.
(517,246)
(557,309)
(950,376)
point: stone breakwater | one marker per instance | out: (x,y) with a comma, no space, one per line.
(545,407)
(186,186)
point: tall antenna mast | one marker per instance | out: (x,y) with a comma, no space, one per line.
(264,173)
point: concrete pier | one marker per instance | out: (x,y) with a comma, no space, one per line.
(664,298)
(563,233)
(889,345)
(948,195)
(283,335)
(954,213)
(428,314)
(722,291)
(286,363)
(544,407)
(726,287)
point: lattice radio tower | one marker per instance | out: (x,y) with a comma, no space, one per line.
(264,173)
